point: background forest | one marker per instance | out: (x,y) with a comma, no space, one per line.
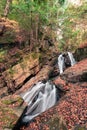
(60,22)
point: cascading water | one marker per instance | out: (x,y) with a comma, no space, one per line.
(61,60)
(72,59)
(61,63)
(40,97)
(43,96)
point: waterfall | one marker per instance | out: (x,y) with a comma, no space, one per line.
(61,63)
(71,58)
(61,59)
(39,98)
(32,92)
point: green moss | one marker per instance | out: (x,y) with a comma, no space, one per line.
(8,36)
(8,117)
(35,55)
(11,101)
(40,58)
(7,112)
(55,123)
(11,71)
(79,128)
(7,102)
(3,53)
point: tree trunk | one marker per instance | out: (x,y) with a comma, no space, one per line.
(7,7)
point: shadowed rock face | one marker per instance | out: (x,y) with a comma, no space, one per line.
(2,27)
(81,52)
(76,73)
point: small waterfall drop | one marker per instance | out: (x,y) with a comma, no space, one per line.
(61,63)
(40,97)
(71,58)
(61,59)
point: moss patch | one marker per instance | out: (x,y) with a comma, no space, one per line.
(3,53)
(8,111)
(56,123)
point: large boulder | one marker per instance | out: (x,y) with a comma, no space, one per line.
(81,52)
(76,73)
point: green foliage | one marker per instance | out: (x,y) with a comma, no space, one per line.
(29,11)
(11,71)
(2,6)
(74,19)
(34,16)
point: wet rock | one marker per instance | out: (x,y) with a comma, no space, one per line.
(76,73)
(81,52)
(54,72)
(63,85)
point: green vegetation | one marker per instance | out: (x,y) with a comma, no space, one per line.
(3,53)
(8,114)
(2,6)
(41,19)
(11,71)
(56,123)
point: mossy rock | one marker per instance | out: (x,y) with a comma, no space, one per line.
(10,111)
(8,117)
(56,123)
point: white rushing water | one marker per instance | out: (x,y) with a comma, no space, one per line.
(40,97)
(72,59)
(61,63)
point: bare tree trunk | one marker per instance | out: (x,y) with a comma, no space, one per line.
(7,7)
(31,40)
(36,28)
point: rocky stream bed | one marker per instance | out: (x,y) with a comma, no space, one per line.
(70,112)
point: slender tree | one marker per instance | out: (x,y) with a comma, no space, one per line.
(7,8)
